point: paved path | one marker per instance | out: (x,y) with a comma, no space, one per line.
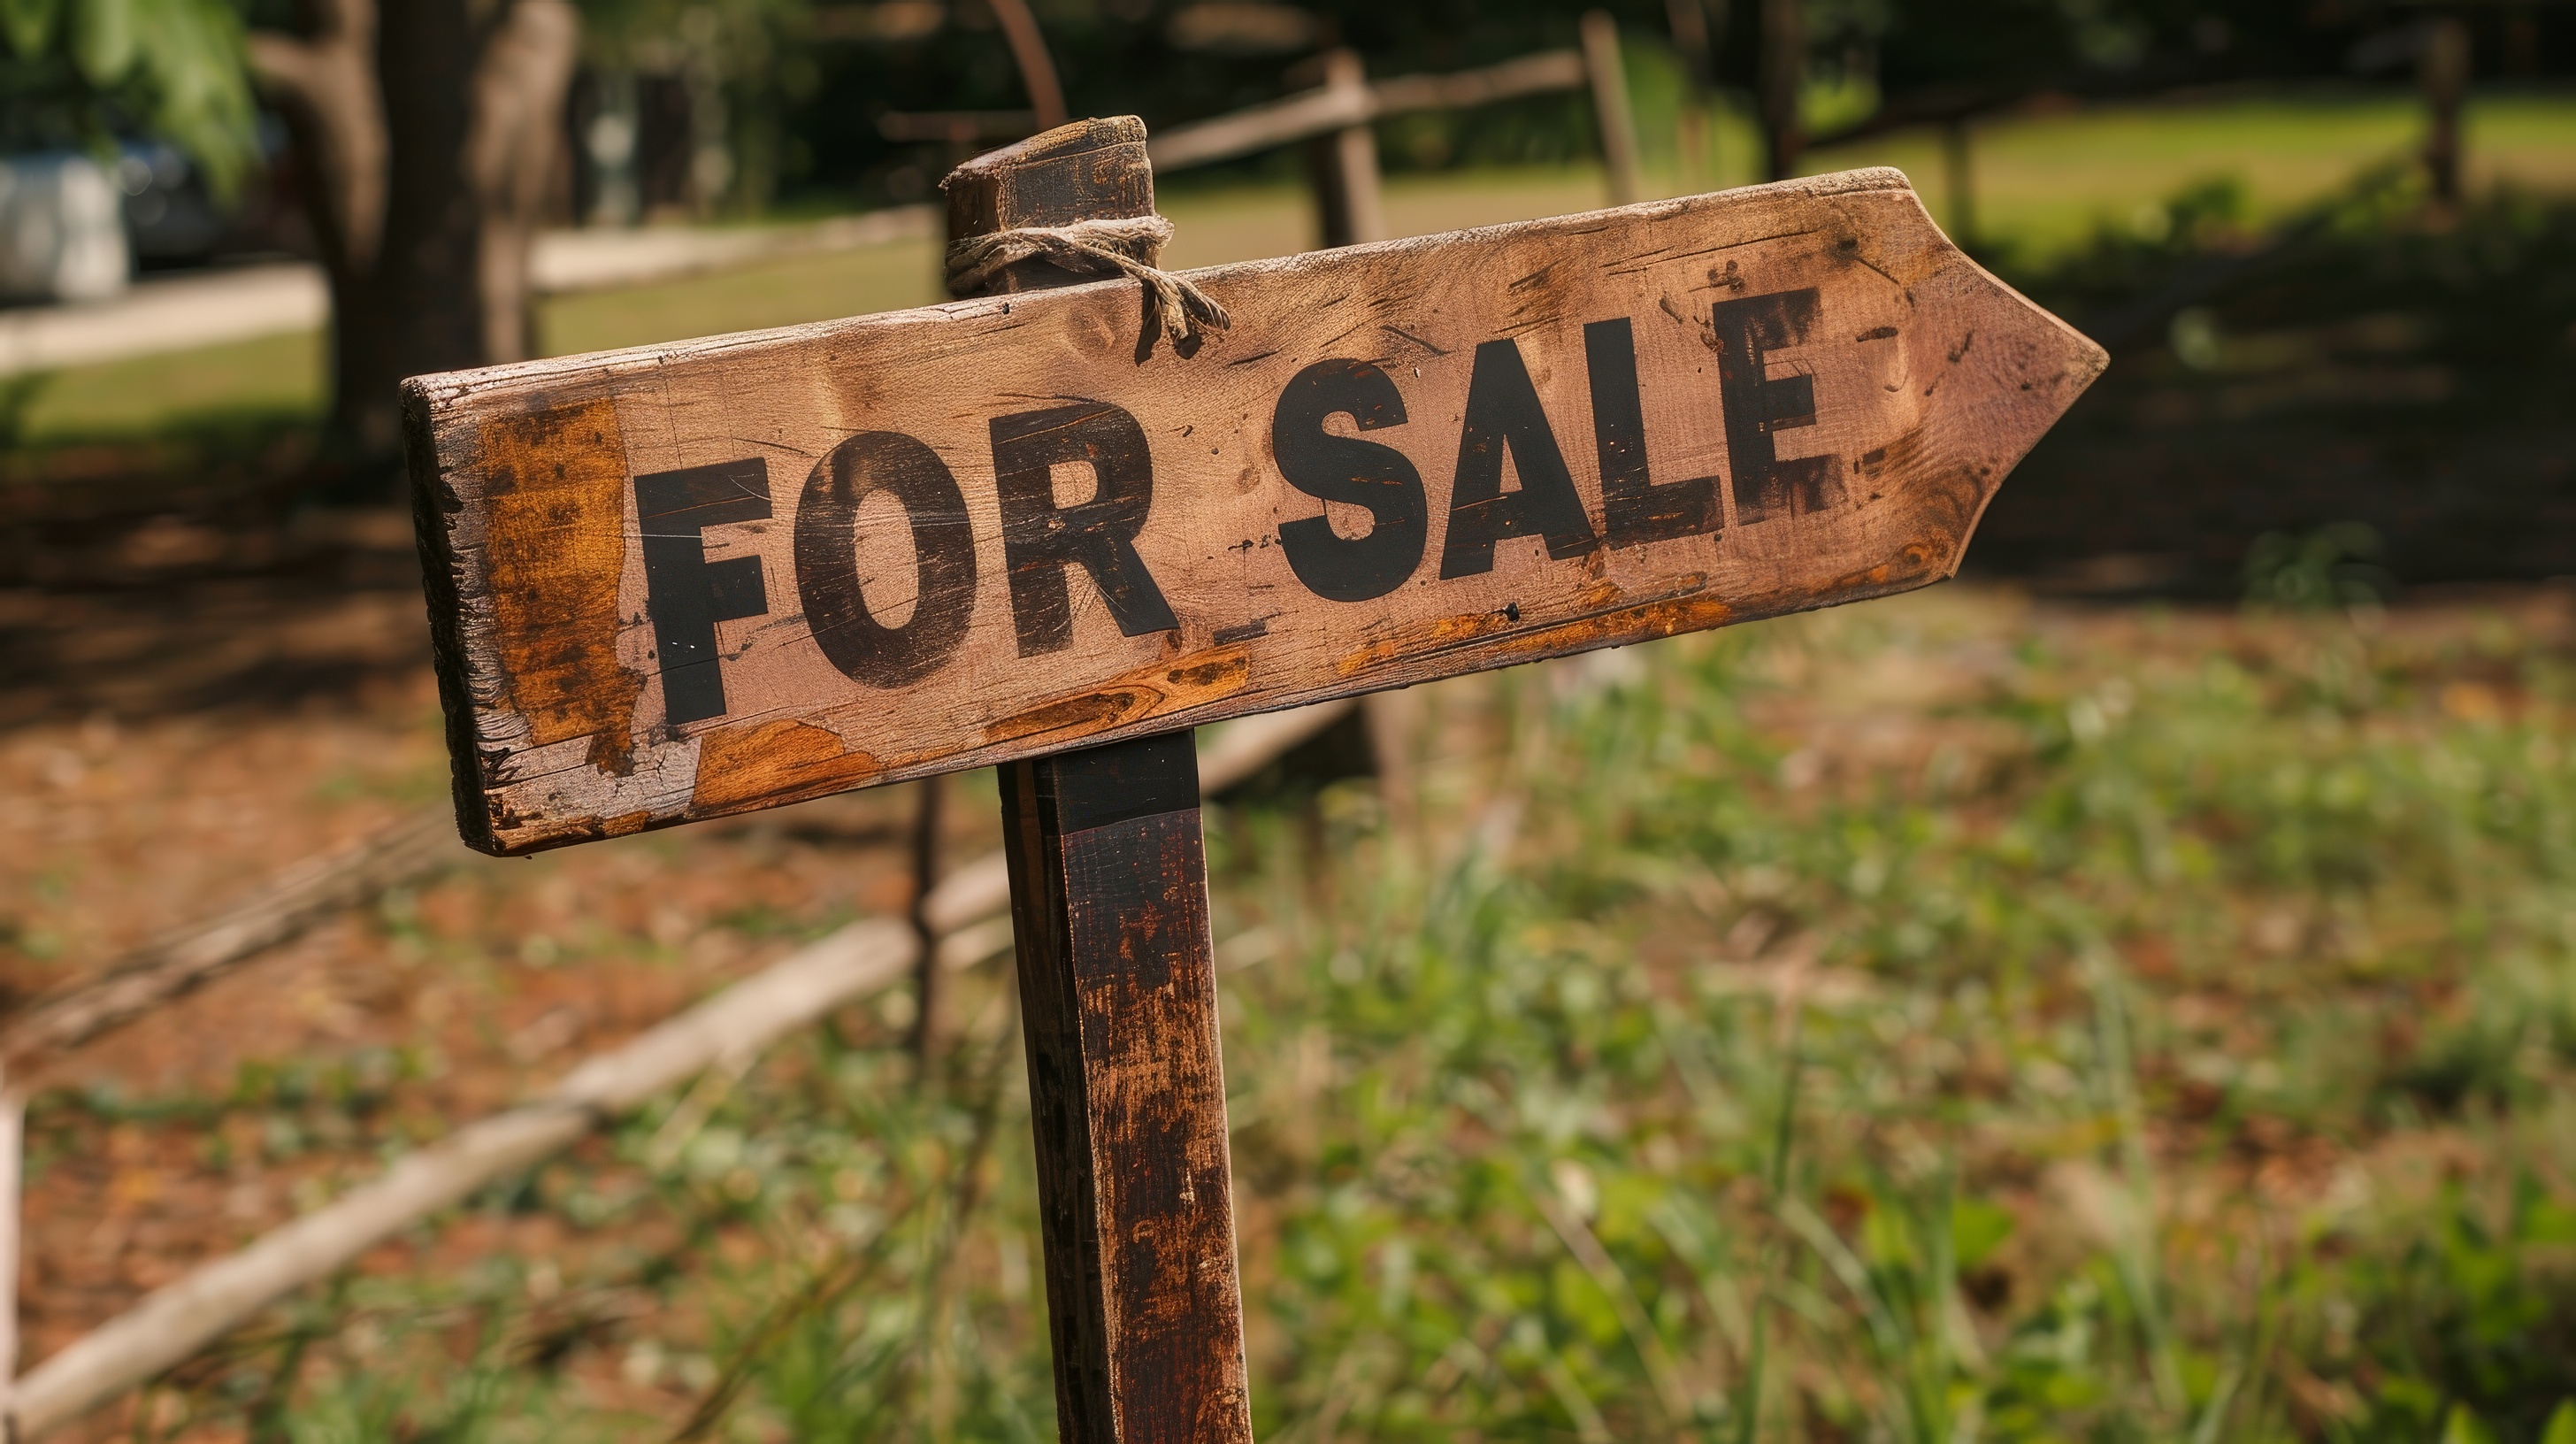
(166,314)
(237,303)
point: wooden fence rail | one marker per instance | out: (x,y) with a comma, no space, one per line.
(1329,108)
(1338,116)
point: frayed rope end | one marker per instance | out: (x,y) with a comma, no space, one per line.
(1128,246)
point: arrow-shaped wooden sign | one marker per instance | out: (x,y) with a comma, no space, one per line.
(682,581)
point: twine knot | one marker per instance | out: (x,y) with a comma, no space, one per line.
(1128,246)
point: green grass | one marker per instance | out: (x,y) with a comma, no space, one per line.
(1931,1021)
(2042,184)
(2045,184)
(889,277)
(242,383)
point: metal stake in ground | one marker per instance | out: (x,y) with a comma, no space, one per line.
(1117,978)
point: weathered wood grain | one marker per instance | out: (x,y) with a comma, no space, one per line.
(1127,1094)
(687,580)
(1108,873)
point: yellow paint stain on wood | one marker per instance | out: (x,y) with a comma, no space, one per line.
(1602,594)
(1915,563)
(1173,686)
(1434,635)
(774,762)
(554,551)
(1642,623)
(1488,634)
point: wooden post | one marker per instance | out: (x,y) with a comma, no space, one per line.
(1688,20)
(1349,205)
(1117,981)
(1783,75)
(925,880)
(1610,105)
(2444,68)
(1958,164)
(2522,43)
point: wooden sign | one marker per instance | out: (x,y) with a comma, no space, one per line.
(681,581)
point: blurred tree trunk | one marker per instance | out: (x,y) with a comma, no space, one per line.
(1694,37)
(429,131)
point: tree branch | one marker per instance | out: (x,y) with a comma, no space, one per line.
(1029,53)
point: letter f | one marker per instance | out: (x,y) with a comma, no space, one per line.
(684,593)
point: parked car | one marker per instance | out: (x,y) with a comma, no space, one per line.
(62,229)
(170,216)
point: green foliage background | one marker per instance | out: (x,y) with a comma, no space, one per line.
(80,73)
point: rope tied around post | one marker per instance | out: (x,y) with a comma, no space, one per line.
(1128,246)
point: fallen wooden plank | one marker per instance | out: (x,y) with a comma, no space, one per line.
(13,1155)
(187,959)
(1539,74)
(1257,128)
(683,581)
